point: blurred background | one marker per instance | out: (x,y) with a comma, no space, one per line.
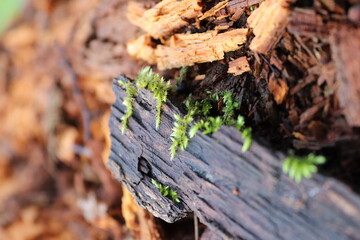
(57,61)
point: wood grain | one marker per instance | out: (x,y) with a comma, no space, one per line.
(239,195)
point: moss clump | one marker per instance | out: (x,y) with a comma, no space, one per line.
(299,167)
(166,191)
(208,124)
(156,85)
(151,81)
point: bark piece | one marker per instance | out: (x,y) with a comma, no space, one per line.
(188,49)
(165,17)
(346,54)
(269,22)
(239,66)
(306,22)
(240,195)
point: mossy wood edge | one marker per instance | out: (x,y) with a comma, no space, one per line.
(239,195)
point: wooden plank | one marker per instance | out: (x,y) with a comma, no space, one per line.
(239,195)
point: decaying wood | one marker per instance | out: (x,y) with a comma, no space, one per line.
(240,195)
(239,66)
(279,89)
(234,5)
(164,17)
(214,9)
(269,22)
(187,49)
(141,49)
(345,46)
(306,22)
(140,222)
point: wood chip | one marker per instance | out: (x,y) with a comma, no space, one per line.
(165,17)
(214,9)
(278,88)
(239,66)
(345,47)
(269,22)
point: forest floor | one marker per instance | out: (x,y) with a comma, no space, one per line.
(297,87)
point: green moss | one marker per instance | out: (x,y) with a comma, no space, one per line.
(206,123)
(131,93)
(179,135)
(166,191)
(157,85)
(299,167)
(151,81)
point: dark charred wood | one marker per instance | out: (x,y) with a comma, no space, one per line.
(238,195)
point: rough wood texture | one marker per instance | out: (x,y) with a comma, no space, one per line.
(306,22)
(239,66)
(187,49)
(346,54)
(165,17)
(269,22)
(241,195)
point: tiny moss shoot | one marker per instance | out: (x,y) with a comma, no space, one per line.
(166,191)
(299,167)
(179,135)
(157,85)
(131,93)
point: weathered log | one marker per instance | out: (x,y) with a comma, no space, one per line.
(240,195)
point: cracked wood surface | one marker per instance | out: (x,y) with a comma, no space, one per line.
(239,195)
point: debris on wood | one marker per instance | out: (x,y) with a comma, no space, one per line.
(234,5)
(239,66)
(268,23)
(141,49)
(214,9)
(310,113)
(165,17)
(345,47)
(187,49)
(306,22)
(279,89)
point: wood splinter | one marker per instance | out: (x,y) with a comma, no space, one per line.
(187,49)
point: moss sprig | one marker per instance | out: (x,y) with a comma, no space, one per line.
(131,93)
(299,167)
(179,135)
(166,191)
(157,85)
